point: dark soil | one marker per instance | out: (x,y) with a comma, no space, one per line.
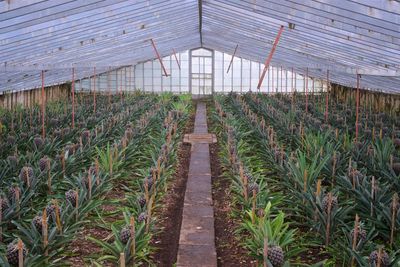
(81,247)
(166,241)
(229,251)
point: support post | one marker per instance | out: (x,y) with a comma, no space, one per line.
(269,58)
(357,104)
(233,56)
(43,106)
(176,58)
(306,85)
(94,90)
(109,88)
(159,58)
(73,98)
(326,96)
(292,81)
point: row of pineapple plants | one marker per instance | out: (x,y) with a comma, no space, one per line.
(21,128)
(264,226)
(70,177)
(353,175)
(34,183)
(143,189)
(305,172)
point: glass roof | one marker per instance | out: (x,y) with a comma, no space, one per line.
(345,37)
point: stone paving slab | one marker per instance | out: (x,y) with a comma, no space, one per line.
(197,236)
(197,256)
(200,198)
(198,210)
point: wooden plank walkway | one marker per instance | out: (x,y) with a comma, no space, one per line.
(196,241)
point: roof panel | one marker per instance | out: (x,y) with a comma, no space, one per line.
(344,36)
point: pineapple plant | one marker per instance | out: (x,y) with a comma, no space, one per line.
(23,135)
(13,161)
(253,187)
(142,217)
(12,252)
(125,234)
(71,196)
(149,181)
(325,203)
(26,175)
(361,234)
(276,256)
(37,223)
(4,204)
(51,212)
(44,164)
(66,131)
(11,140)
(384,258)
(38,142)
(12,192)
(85,137)
(57,133)
(141,201)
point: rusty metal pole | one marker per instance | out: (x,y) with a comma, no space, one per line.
(73,98)
(120,86)
(313,88)
(109,88)
(357,104)
(43,106)
(233,56)
(306,85)
(292,81)
(326,96)
(176,58)
(272,81)
(268,76)
(281,80)
(269,58)
(286,83)
(94,90)
(130,78)
(159,57)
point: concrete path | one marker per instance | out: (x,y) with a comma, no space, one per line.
(196,241)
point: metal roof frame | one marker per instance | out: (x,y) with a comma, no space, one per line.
(346,37)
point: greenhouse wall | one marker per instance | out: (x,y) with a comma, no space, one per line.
(379,101)
(28,98)
(202,70)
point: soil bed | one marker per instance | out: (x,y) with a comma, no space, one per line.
(166,240)
(229,250)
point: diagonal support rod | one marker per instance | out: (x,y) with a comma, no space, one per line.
(159,58)
(233,56)
(176,58)
(269,58)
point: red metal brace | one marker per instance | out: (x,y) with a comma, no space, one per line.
(269,58)
(94,90)
(43,107)
(230,63)
(357,104)
(327,96)
(176,58)
(73,98)
(159,58)
(306,84)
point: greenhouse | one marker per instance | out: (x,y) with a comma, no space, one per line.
(200,133)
